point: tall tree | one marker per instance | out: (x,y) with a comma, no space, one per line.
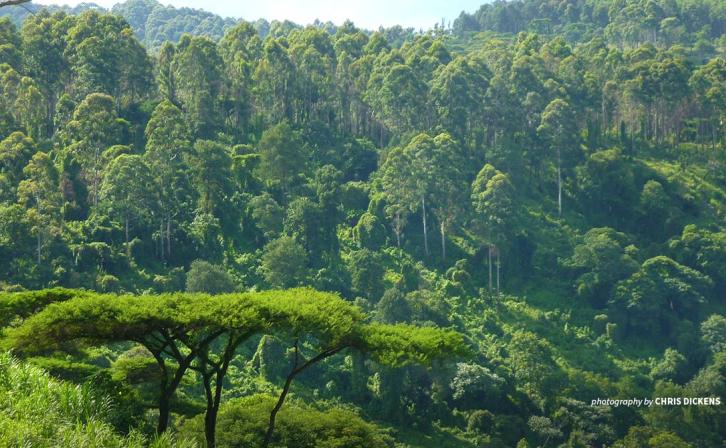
(559,128)
(198,74)
(94,128)
(126,192)
(168,145)
(282,157)
(41,194)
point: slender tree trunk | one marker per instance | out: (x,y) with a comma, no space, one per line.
(490,269)
(168,237)
(126,228)
(498,266)
(161,237)
(559,183)
(442,228)
(426,235)
(39,244)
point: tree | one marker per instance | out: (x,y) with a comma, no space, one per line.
(206,277)
(284,262)
(366,271)
(43,46)
(267,214)
(282,157)
(493,200)
(559,129)
(179,330)
(607,184)
(16,241)
(658,293)
(12,2)
(40,192)
(126,191)
(210,165)
(168,145)
(15,153)
(104,57)
(602,259)
(93,129)
(198,71)
(457,91)
(399,189)
(713,333)
(448,184)
(9,43)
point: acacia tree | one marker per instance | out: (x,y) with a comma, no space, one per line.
(180,331)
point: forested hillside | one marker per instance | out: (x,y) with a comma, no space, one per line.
(547,180)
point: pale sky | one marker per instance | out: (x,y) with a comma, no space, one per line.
(368,14)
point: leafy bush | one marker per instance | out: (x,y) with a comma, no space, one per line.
(243,422)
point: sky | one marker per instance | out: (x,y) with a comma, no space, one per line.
(368,14)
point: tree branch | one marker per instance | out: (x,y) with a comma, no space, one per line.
(12,2)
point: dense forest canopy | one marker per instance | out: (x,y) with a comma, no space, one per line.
(546,178)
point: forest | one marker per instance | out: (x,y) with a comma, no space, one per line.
(221,233)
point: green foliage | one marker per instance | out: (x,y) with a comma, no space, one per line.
(40,411)
(242,423)
(713,332)
(289,156)
(659,292)
(284,262)
(206,277)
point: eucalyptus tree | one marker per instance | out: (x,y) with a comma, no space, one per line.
(559,128)
(494,205)
(126,192)
(399,189)
(199,82)
(40,192)
(94,128)
(448,184)
(43,60)
(167,149)
(16,151)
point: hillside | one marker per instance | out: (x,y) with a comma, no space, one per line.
(547,181)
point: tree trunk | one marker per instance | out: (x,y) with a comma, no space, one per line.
(288,382)
(39,244)
(168,237)
(161,237)
(498,266)
(210,416)
(426,235)
(490,269)
(164,412)
(126,226)
(559,183)
(442,228)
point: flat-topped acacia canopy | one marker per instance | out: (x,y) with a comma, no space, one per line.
(181,327)
(295,312)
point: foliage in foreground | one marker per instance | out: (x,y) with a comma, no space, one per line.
(39,411)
